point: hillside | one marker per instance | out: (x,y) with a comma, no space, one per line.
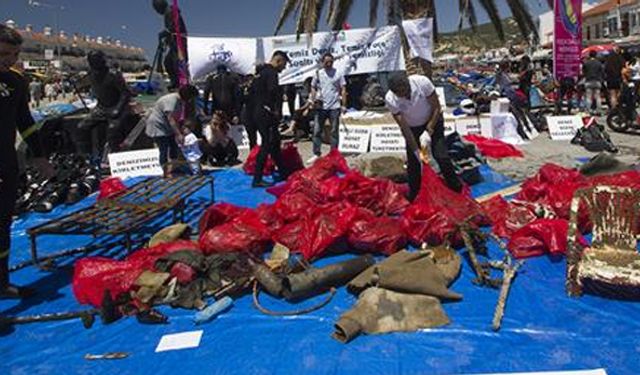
(483,38)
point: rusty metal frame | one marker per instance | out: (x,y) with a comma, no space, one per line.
(125,214)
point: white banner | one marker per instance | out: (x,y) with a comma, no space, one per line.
(420,36)
(468,125)
(356,51)
(135,163)
(205,54)
(387,139)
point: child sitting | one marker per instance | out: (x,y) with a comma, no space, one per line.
(190,148)
(218,146)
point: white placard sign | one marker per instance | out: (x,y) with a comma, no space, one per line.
(449,125)
(240,136)
(387,139)
(505,128)
(177,341)
(356,51)
(135,163)
(468,125)
(486,128)
(563,128)
(205,54)
(354,139)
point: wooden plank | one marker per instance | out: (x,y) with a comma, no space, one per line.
(511,190)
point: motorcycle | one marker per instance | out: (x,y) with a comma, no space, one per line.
(625,116)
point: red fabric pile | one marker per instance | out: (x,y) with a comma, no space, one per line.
(551,188)
(225,228)
(93,276)
(437,212)
(249,166)
(494,148)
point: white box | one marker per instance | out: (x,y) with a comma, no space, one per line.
(500,106)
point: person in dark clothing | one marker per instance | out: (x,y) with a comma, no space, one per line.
(291,92)
(222,91)
(110,114)
(566,90)
(14,115)
(248,108)
(413,102)
(218,146)
(525,80)
(613,75)
(267,96)
(593,73)
(167,37)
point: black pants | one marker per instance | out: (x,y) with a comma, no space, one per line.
(96,129)
(221,155)
(268,128)
(168,148)
(440,154)
(250,125)
(8,196)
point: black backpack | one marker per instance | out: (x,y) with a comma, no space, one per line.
(594,138)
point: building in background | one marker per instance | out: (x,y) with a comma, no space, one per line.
(56,50)
(613,21)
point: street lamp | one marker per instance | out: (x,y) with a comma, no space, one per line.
(55,9)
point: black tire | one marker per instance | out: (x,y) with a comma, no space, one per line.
(617,121)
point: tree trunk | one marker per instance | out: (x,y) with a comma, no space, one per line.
(411,11)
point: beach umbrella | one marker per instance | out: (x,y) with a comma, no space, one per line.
(603,49)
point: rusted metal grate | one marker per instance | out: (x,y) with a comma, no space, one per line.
(126,213)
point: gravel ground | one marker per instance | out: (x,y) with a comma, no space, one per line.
(537,152)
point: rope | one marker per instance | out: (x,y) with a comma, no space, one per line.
(256,303)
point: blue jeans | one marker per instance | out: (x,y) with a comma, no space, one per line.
(321,116)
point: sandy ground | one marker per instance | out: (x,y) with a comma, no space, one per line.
(537,152)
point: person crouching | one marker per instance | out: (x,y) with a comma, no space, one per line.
(218,146)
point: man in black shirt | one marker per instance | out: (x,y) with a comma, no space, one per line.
(224,89)
(593,73)
(613,71)
(14,115)
(267,96)
(111,112)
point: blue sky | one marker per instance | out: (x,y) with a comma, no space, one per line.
(135,22)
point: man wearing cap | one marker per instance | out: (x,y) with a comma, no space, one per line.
(414,104)
(267,97)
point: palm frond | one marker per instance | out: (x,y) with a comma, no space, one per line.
(302,17)
(373,12)
(341,12)
(288,7)
(523,18)
(494,15)
(394,12)
(332,9)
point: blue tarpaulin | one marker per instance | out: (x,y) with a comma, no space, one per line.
(543,329)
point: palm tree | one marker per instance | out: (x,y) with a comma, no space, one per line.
(308,17)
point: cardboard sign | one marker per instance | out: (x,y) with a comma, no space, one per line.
(239,135)
(388,139)
(563,128)
(468,125)
(354,139)
(135,163)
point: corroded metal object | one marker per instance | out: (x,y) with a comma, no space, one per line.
(509,269)
(611,265)
(125,214)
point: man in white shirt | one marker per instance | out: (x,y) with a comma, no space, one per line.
(414,104)
(329,94)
